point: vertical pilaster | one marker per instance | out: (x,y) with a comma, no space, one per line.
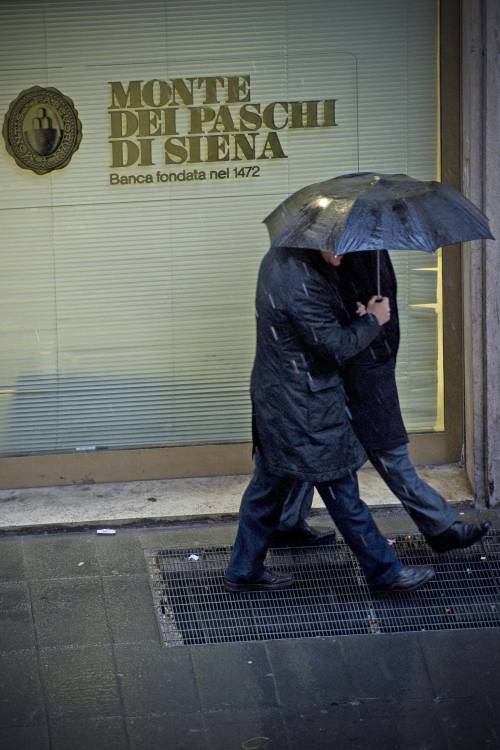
(481,183)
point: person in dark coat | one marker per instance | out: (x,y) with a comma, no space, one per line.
(373,401)
(301,427)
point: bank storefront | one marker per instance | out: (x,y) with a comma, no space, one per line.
(143,145)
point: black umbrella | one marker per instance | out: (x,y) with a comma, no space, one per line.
(371,211)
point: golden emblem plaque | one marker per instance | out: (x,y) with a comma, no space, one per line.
(42,130)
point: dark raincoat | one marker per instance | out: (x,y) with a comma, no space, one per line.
(370,376)
(304,336)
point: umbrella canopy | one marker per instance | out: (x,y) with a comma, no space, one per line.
(370,211)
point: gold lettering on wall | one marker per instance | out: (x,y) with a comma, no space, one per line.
(203,119)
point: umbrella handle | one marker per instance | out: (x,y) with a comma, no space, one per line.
(379,296)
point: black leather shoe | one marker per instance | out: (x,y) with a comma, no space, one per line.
(458,536)
(408,579)
(302,536)
(268,581)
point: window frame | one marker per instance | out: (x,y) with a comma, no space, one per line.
(235,458)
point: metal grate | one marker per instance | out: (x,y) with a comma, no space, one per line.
(330,595)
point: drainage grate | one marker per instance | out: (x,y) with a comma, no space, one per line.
(330,596)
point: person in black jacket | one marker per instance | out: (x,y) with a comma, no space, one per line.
(373,402)
(302,430)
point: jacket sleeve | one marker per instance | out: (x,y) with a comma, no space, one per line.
(312,314)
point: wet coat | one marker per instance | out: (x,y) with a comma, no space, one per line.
(370,376)
(304,336)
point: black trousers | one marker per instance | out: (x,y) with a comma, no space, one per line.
(260,512)
(428,509)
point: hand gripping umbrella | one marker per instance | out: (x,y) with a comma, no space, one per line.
(371,211)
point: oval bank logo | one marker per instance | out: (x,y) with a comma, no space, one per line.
(42,130)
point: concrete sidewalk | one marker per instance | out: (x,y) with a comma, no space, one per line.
(82,667)
(170,500)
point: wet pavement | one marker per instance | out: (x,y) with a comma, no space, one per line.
(82,667)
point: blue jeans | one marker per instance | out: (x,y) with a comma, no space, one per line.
(260,512)
(428,509)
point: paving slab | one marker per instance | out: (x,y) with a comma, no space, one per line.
(155,680)
(60,556)
(24,738)
(462,663)
(470,723)
(79,683)
(234,675)
(311,673)
(396,724)
(98,734)
(17,631)
(179,731)
(69,612)
(385,665)
(336,727)
(12,561)
(246,728)
(21,698)
(128,604)
(121,554)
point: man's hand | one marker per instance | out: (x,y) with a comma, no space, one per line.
(379,306)
(360,309)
